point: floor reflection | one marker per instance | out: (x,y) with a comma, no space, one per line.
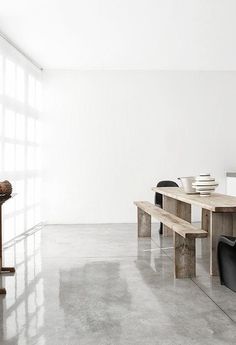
(123,295)
(93,298)
(22,309)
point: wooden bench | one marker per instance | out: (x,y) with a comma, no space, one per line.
(184,235)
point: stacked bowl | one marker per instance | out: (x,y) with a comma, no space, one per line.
(205,184)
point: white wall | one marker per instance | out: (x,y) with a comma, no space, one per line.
(124,34)
(111,135)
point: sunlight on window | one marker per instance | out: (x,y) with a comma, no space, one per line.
(31,158)
(9,157)
(20,199)
(31,91)
(1,121)
(9,208)
(31,129)
(38,158)
(30,191)
(30,218)
(20,221)
(20,140)
(1,129)
(20,126)
(37,214)
(1,75)
(9,130)
(20,84)
(8,223)
(20,157)
(10,78)
(38,186)
(38,129)
(38,95)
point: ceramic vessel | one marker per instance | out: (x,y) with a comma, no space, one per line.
(187,183)
(205,184)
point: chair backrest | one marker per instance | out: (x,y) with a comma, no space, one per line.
(158,196)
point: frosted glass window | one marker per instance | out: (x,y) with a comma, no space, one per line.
(1,74)
(30,251)
(30,218)
(9,207)
(20,157)
(31,129)
(31,91)
(9,224)
(9,157)
(38,132)
(20,190)
(30,191)
(20,126)
(1,135)
(32,305)
(38,186)
(10,78)
(38,95)
(30,158)
(38,158)
(20,84)
(20,98)
(9,124)
(37,214)
(0,120)
(20,223)
(20,290)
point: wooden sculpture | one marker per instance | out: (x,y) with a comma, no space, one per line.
(5,188)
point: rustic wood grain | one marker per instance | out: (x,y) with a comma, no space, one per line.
(205,225)
(184,257)
(144,223)
(182,227)
(169,205)
(215,202)
(220,224)
(178,208)
(205,221)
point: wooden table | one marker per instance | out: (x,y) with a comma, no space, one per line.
(3,269)
(218,214)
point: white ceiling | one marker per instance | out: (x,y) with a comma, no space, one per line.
(124,34)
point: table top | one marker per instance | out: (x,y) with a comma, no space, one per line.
(215,202)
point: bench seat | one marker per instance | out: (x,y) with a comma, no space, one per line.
(181,226)
(184,235)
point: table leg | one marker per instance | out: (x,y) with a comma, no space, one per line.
(178,208)
(220,224)
(144,224)
(169,205)
(205,219)
(205,225)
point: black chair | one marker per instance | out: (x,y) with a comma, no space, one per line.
(227,261)
(158,197)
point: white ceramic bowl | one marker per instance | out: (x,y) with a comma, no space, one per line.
(205,184)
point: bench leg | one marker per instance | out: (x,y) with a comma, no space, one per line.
(144,224)
(184,257)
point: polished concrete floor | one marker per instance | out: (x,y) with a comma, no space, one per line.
(100,285)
